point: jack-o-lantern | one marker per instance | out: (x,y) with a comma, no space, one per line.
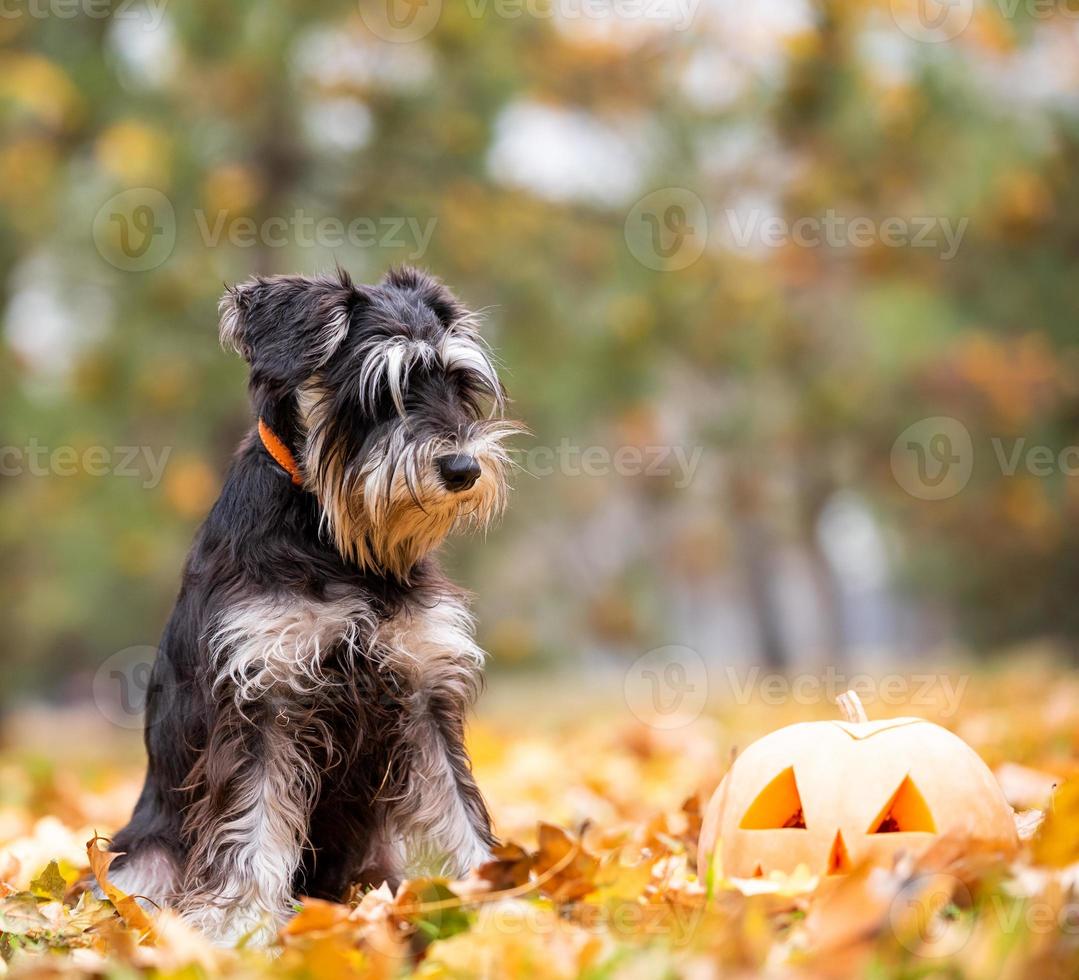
(831,795)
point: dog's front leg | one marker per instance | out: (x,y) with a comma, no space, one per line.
(439,814)
(254,786)
(442,816)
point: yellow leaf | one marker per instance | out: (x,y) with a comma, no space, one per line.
(566,870)
(508,868)
(1057,844)
(50,883)
(316,915)
(128,908)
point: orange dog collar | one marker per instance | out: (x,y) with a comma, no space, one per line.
(280,452)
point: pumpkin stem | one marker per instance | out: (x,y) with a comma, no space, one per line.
(851,707)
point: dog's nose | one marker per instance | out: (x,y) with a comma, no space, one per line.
(459,472)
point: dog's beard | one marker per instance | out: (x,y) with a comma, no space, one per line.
(388,509)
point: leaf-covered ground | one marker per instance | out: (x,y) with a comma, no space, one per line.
(600,812)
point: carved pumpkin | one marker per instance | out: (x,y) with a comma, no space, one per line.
(833,794)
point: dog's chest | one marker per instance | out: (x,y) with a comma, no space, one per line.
(432,647)
(283,642)
(276,644)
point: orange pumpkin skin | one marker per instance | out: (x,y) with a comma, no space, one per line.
(866,791)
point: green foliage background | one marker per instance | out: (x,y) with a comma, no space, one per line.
(794,368)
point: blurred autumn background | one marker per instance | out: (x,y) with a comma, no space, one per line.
(587,179)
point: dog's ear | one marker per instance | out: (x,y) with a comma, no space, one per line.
(428,290)
(287,327)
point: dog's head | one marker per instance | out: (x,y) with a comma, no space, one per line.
(393,401)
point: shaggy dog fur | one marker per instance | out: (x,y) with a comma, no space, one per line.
(305,721)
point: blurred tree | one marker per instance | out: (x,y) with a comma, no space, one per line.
(521,145)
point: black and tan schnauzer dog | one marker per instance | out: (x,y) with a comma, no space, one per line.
(305,722)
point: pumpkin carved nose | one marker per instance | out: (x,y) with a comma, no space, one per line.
(839,862)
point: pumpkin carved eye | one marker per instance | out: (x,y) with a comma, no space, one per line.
(777,807)
(905,812)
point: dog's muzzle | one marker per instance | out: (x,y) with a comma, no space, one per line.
(459,472)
